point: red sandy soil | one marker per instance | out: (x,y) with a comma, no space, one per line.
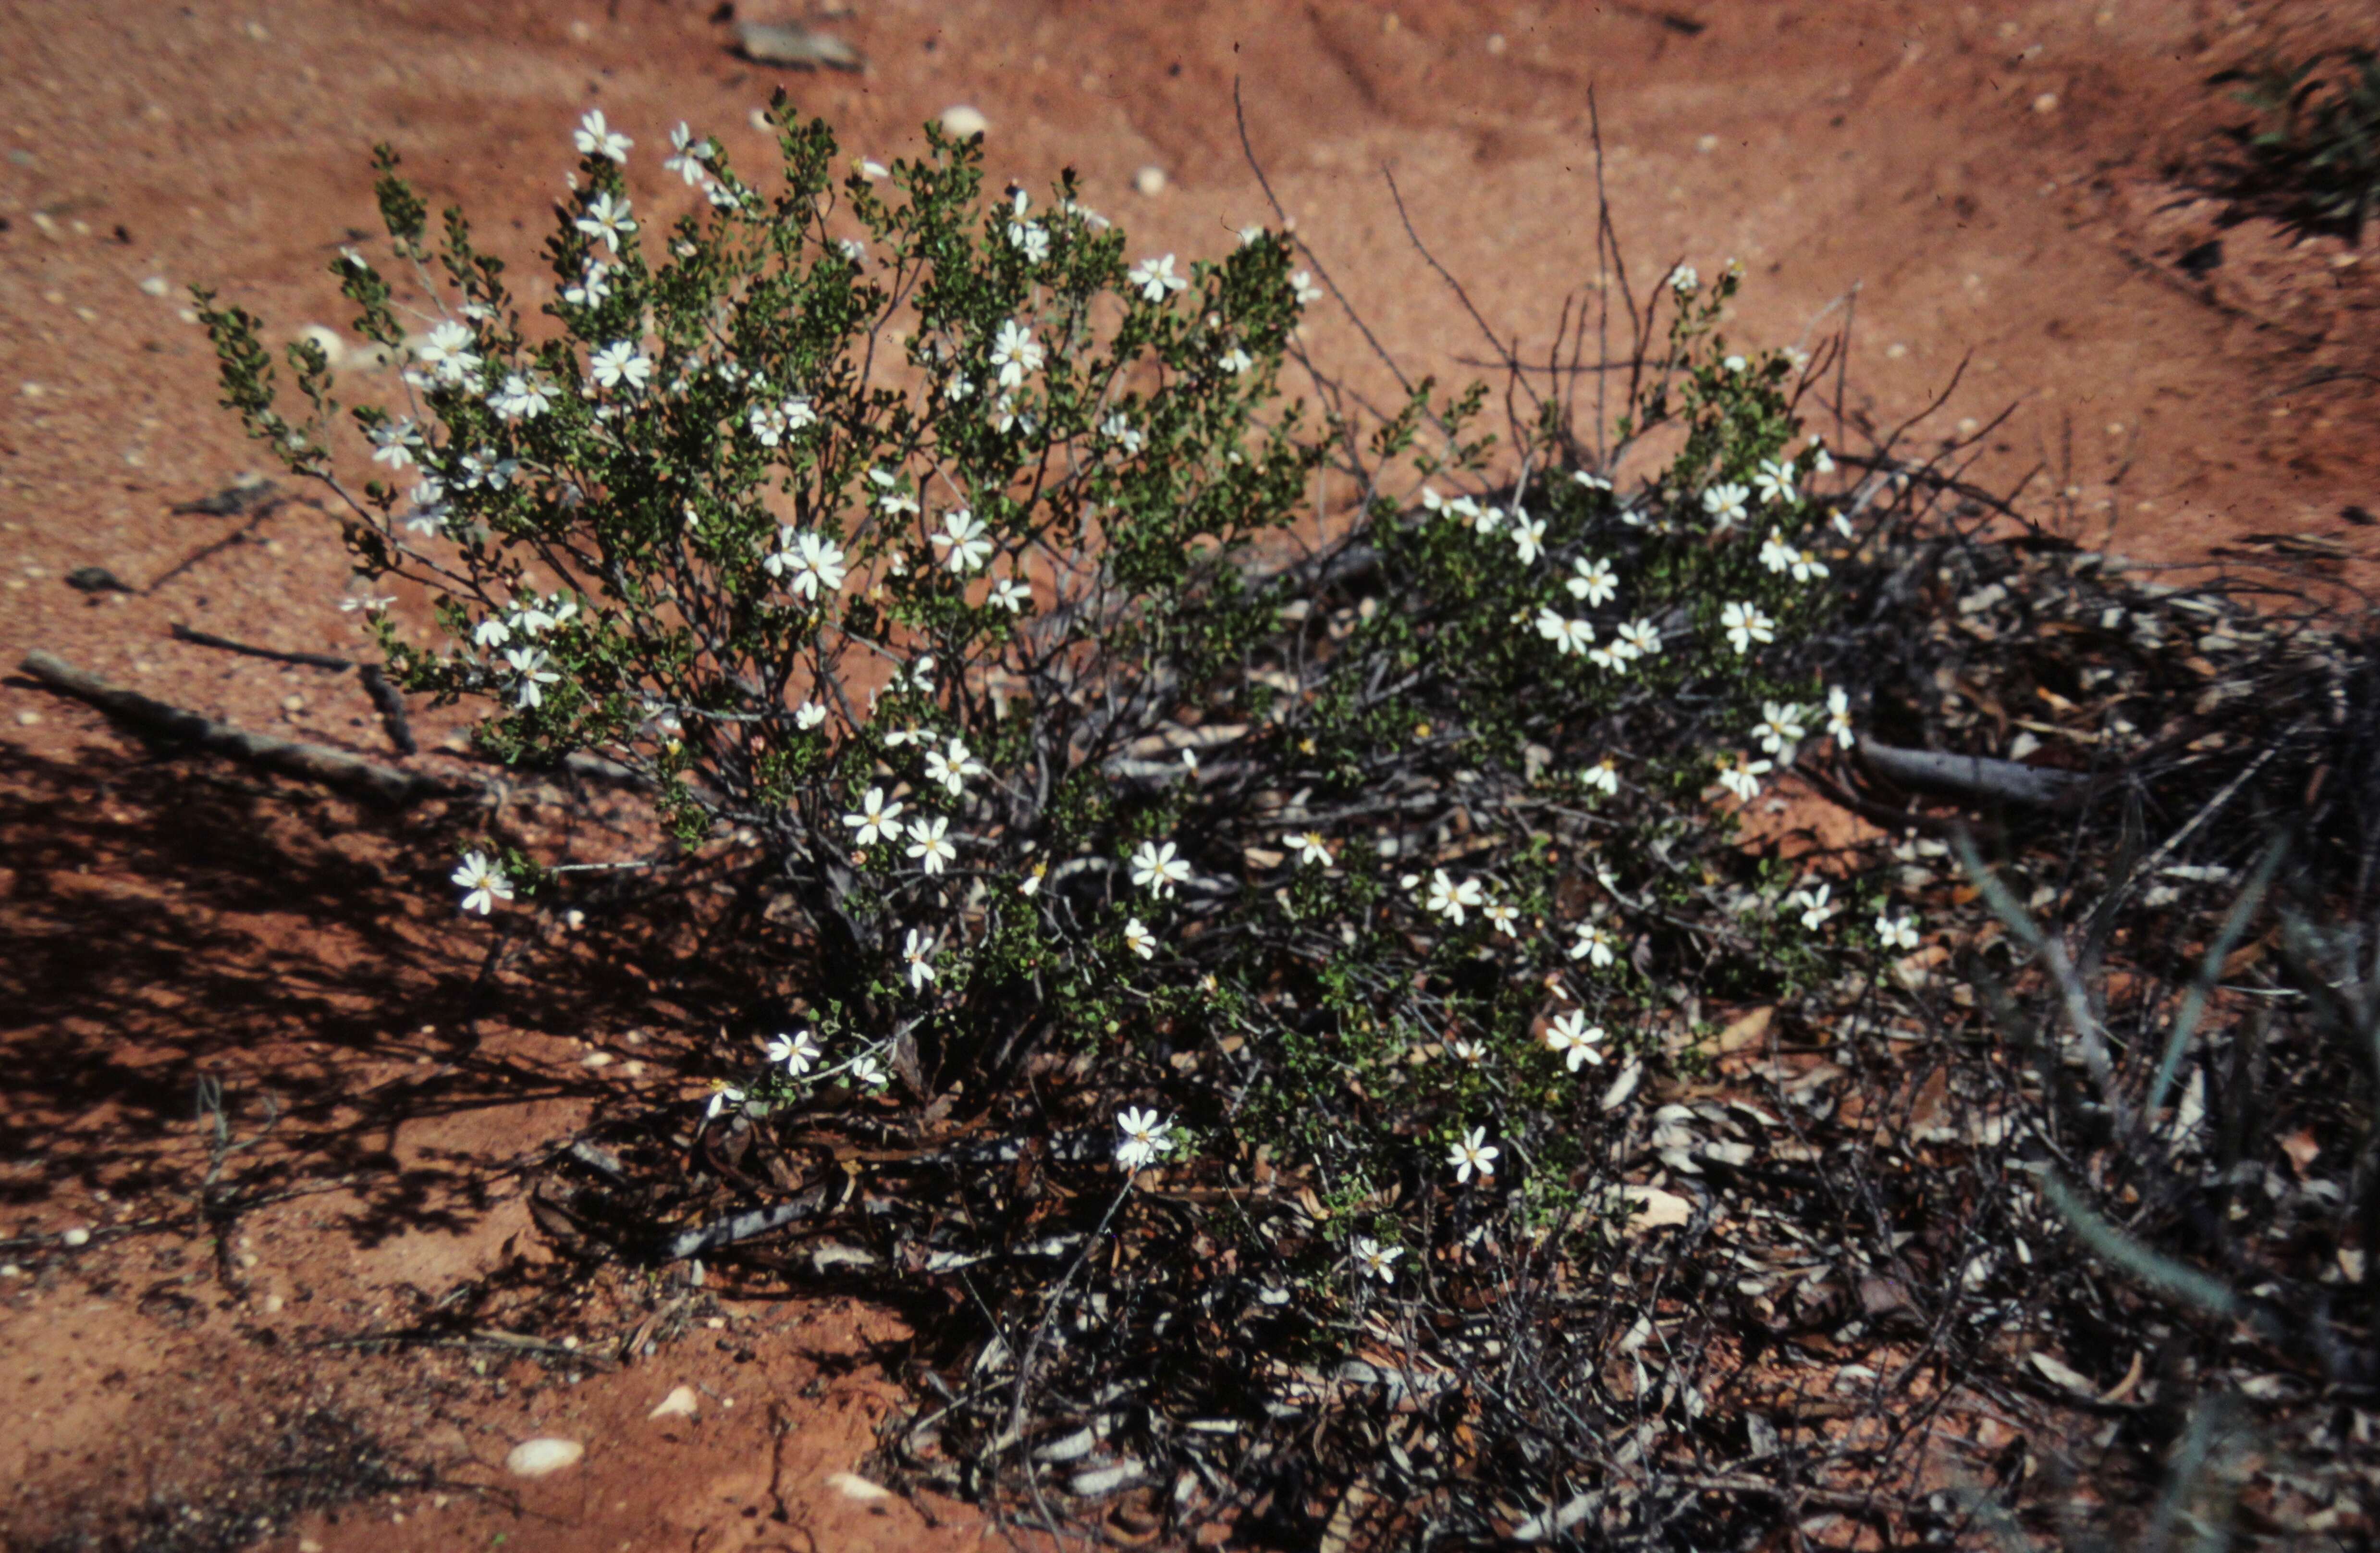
(2008,185)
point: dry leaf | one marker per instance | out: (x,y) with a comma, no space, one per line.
(1746,1030)
(1652,1208)
(2062,1373)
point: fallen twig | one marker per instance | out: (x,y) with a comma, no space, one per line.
(313,762)
(1974,776)
(310,659)
(391,703)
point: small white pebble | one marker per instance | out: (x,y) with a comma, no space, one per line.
(680,1403)
(1706,144)
(157,285)
(537,1458)
(961,121)
(851,1486)
(28,717)
(77,1236)
(2045,104)
(1495,42)
(1149,181)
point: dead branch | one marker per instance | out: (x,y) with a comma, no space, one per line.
(308,659)
(310,762)
(1977,778)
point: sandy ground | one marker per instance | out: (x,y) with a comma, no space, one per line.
(1998,191)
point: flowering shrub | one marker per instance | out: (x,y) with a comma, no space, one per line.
(937,553)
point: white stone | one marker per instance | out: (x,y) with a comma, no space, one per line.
(544,1455)
(680,1403)
(851,1486)
(961,121)
(77,1236)
(1149,181)
(335,349)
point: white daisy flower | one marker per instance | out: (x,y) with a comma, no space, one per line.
(1779,729)
(483,880)
(1569,636)
(1745,625)
(1724,503)
(814,563)
(1593,580)
(1743,776)
(1156,866)
(1473,1153)
(969,541)
(1016,352)
(1451,899)
(1154,279)
(606,220)
(618,363)
(1642,638)
(1310,848)
(1838,717)
(1595,944)
(1529,537)
(796,1051)
(1576,1041)
(1144,1137)
(686,154)
(930,843)
(876,819)
(952,765)
(595,138)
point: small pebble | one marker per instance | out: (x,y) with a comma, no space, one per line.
(157,285)
(77,1236)
(293,703)
(2045,104)
(851,1486)
(335,349)
(961,121)
(680,1403)
(537,1458)
(1149,181)
(28,717)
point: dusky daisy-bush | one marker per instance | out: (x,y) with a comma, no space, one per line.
(947,570)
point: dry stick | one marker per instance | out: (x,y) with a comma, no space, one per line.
(313,762)
(1974,776)
(391,704)
(309,660)
(383,695)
